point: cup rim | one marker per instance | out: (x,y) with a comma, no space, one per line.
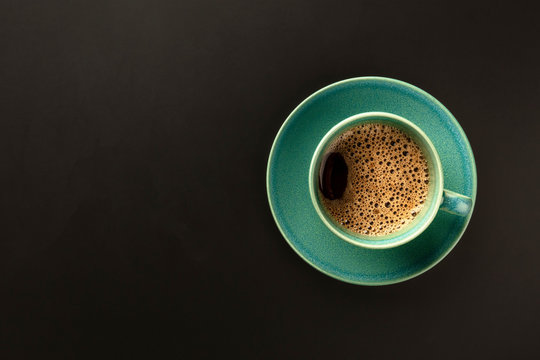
(387,241)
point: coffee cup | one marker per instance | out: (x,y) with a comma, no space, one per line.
(433,198)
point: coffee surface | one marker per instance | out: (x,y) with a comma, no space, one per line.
(374,179)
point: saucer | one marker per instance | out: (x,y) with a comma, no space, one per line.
(288,188)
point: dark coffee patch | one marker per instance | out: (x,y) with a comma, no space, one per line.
(333,176)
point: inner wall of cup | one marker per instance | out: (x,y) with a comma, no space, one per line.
(432,188)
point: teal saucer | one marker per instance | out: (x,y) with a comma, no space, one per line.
(288,188)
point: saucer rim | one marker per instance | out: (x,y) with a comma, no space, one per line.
(455,123)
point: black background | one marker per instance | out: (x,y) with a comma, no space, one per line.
(134,137)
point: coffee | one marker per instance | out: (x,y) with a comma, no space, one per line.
(373,179)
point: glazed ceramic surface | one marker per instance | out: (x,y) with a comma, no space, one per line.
(288,185)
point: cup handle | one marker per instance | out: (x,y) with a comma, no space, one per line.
(455,203)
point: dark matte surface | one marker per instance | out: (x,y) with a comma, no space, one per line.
(134,137)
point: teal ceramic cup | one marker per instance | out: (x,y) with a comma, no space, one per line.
(438,199)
